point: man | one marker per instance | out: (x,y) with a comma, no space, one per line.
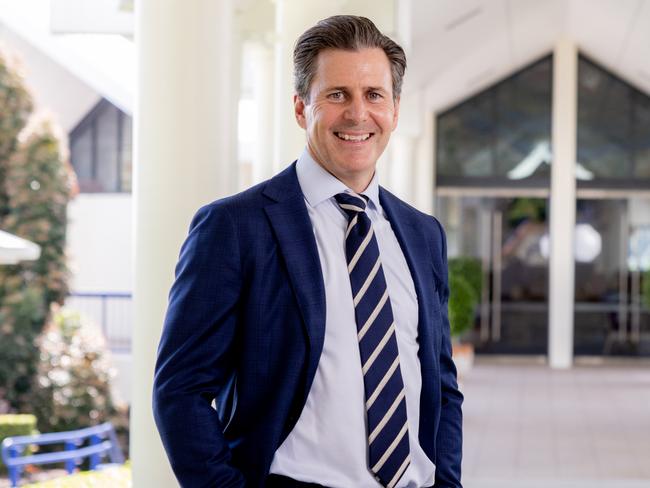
(312,308)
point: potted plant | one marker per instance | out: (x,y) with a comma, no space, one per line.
(465,293)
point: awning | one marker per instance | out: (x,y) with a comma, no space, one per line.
(14,249)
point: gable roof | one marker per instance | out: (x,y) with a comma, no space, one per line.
(461,47)
(105,62)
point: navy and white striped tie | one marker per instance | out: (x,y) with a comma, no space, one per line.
(388,443)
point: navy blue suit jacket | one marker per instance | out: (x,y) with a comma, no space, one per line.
(245,328)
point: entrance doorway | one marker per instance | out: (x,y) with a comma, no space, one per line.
(509,236)
(612,282)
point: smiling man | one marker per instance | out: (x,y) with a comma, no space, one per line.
(311,310)
(349,111)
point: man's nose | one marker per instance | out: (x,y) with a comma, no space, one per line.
(356,111)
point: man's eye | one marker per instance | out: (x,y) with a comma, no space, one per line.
(374,96)
(336,95)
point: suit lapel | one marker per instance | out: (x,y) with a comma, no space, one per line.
(291,224)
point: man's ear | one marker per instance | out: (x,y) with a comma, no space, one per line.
(396,112)
(299,110)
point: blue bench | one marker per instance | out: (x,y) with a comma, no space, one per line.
(93,443)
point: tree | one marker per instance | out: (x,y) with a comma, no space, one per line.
(34,191)
(16,106)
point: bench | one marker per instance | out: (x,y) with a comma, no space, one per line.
(93,443)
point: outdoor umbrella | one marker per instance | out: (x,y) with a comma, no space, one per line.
(14,249)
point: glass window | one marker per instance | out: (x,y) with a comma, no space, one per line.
(81,154)
(465,136)
(500,136)
(126,135)
(613,130)
(523,124)
(101,150)
(107,146)
(642,137)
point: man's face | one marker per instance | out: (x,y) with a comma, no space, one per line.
(350,114)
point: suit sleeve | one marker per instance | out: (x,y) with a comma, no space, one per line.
(196,354)
(449,441)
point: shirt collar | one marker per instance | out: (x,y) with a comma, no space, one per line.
(318,185)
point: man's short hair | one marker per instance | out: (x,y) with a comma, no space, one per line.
(347,32)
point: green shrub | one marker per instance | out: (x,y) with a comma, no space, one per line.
(465,286)
(469,269)
(462,304)
(645,288)
(16,424)
(22,315)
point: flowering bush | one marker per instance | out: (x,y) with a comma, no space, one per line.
(73,375)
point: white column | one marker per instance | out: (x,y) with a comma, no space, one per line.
(563,204)
(261,63)
(401,166)
(412,156)
(184,156)
(424,184)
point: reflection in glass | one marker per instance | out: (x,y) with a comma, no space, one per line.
(499,135)
(642,138)
(611,317)
(506,235)
(613,128)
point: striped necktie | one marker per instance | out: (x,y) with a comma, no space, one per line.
(388,443)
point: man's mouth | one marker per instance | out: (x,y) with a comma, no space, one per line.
(354,137)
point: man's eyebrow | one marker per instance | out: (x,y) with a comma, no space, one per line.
(368,88)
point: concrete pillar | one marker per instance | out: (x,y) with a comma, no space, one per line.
(184,157)
(563,204)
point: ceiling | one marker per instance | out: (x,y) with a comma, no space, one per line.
(455,47)
(459,47)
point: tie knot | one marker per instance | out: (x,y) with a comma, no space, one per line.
(351,203)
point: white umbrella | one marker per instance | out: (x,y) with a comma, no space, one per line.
(14,249)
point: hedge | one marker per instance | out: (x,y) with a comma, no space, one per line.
(16,424)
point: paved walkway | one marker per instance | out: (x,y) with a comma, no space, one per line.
(527,426)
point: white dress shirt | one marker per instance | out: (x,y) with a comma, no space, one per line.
(328,444)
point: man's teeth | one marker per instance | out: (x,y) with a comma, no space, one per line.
(348,137)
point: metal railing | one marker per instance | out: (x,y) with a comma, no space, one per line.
(113,312)
(94,443)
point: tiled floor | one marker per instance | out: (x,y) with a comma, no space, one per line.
(527,426)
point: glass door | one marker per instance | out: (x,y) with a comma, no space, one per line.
(509,237)
(612,280)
